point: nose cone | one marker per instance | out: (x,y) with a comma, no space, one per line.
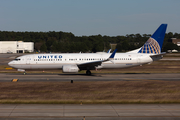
(10,63)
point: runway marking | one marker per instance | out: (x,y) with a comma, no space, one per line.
(9,68)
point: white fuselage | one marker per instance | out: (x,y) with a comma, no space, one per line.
(56,61)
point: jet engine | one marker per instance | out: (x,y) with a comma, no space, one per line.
(70,68)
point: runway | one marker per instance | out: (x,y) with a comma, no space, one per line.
(6,77)
(90,112)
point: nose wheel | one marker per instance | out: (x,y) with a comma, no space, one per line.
(88,72)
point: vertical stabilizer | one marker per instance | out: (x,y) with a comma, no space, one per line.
(155,42)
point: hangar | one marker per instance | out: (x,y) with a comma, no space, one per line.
(16,47)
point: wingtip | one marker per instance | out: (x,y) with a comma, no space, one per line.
(113,54)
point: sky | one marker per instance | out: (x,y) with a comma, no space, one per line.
(90,17)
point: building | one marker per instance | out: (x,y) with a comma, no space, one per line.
(176,41)
(16,47)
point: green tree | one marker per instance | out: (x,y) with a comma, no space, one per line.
(170,46)
(43,48)
(119,47)
(125,45)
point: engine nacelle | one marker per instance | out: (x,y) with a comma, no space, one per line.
(21,70)
(70,68)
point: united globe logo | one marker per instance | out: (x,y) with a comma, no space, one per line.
(151,46)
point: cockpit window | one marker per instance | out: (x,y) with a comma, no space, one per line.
(17,59)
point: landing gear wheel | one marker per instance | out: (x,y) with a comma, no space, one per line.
(88,72)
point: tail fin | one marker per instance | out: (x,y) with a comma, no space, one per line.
(155,42)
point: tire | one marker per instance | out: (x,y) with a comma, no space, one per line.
(88,72)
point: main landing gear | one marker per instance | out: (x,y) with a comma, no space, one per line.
(88,72)
(22,70)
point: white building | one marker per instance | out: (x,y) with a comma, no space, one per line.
(176,41)
(16,47)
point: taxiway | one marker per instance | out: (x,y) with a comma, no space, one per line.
(90,112)
(5,77)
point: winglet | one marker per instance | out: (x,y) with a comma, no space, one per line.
(113,54)
(109,51)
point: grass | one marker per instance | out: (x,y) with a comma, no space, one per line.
(172,55)
(91,92)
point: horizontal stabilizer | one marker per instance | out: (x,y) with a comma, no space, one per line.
(163,53)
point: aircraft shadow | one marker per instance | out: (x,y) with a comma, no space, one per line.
(135,73)
(78,74)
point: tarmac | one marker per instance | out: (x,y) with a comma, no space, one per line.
(90,111)
(7,77)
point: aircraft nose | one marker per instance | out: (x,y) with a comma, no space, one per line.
(10,63)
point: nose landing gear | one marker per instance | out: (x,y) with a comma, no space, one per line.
(88,72)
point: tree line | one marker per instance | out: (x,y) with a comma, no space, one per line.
(67,42)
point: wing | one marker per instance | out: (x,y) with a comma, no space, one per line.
(94,64)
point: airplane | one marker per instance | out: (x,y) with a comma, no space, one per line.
(75,62)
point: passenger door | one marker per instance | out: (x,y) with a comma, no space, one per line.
(139,58)
(28,60)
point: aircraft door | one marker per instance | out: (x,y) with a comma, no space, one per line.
(28,60)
